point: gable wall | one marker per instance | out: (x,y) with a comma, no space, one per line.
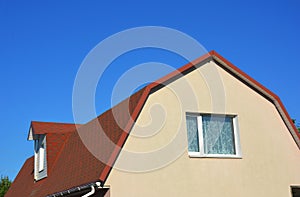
(270,157)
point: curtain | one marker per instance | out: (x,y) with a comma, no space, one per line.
(218,135)
(192,131)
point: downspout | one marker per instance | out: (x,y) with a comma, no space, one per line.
(90,193)
(92,190)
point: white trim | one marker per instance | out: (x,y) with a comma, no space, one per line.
(200,135)
(194,154)
(30,135)
(236,135)
(215,156)
(236,132)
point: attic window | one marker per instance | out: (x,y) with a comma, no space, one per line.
(211,135)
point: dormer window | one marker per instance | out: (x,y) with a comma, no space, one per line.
(41,153)
(48,140)
(40,162)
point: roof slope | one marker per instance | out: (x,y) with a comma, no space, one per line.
(75,165)
(23,183)
(52,127)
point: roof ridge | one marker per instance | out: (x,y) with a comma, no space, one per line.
(46,122)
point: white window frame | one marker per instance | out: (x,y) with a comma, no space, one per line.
(236,133)
(36,146)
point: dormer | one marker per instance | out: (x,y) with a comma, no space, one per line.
(48,140)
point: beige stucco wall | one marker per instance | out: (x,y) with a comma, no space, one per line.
(270,160)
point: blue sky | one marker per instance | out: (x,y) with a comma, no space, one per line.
(43,43)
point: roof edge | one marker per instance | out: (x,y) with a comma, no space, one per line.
(262,90)
(76,189)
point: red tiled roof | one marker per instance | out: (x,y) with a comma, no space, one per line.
(23,183)
(55,142)
(52,127)
(75,165)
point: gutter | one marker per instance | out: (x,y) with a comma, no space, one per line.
(93,186)
(91,192)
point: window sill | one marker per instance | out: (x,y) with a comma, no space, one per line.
(194,155)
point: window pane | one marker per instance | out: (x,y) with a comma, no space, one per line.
(192,130)
(218,136)
(41,157)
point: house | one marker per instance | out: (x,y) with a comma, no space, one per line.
(207,129)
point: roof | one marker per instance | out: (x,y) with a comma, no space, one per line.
(37,128)
(18,187)
(75,165)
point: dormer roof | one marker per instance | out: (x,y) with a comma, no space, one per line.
(37,128)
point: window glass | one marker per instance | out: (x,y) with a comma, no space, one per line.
(41,157)
(218,135)
(213,135)
(192,130)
